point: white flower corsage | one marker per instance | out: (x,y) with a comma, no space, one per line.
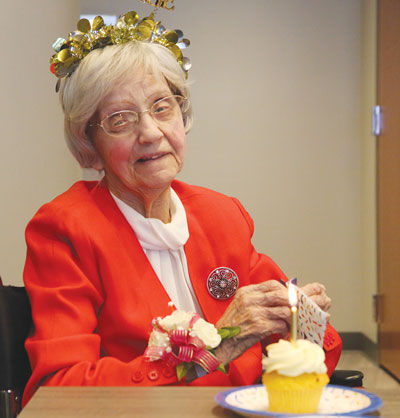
(183,339)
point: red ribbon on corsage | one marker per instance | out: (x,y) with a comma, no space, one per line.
(183,339)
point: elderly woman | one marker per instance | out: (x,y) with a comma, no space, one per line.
(105,258)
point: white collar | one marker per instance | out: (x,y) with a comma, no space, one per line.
(152,233)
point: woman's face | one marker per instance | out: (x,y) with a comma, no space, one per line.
(146,160)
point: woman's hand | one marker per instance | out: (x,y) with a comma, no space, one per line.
(317,292)
(259,310)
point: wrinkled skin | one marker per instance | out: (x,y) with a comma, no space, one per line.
(261,310)
(317,292)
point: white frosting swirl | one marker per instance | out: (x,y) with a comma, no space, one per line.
(295,358)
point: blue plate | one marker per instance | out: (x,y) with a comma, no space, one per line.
(252,401)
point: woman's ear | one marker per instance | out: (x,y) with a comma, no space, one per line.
(98,164)
(95,161)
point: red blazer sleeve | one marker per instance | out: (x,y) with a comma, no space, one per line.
(333,348)
(66,295)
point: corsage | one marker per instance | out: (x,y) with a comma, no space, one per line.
(183,339)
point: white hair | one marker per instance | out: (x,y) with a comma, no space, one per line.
(101,71)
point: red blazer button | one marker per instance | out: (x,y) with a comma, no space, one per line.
(168,372)
(138,376)
(153,375)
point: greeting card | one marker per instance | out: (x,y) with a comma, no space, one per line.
(312,319)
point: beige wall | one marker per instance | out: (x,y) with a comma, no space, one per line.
(280,123)
(34,162)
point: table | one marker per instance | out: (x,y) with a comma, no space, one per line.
(148,402)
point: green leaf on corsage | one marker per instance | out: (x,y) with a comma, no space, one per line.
(221,368)
(228,332)
(182,369)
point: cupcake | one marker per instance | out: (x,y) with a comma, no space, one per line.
(295,375)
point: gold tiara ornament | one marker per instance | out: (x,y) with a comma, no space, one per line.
(69,52)
(160,3)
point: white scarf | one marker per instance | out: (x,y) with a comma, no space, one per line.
(163,246)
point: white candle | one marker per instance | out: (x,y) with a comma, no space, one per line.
(293,308)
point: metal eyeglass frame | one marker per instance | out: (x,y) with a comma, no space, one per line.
(181,100)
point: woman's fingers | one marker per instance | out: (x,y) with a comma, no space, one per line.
(269,293)
(323,301)
(262,329)
(260,321)
(273,294)
(314,289)
(276,298)
(278,312)
(276,326)
(254,305)
(268,286)
(317,292)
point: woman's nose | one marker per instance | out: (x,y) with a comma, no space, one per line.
(148,129)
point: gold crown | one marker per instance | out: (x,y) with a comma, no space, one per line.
(69,52)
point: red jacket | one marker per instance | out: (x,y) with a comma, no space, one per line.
(94,293)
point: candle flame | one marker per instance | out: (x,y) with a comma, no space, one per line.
(292,295)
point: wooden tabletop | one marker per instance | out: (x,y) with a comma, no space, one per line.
(149,402)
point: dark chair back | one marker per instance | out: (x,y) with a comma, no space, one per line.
(15,370)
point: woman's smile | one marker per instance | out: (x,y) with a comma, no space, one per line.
(152,157)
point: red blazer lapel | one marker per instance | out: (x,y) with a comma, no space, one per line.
(138,265)
(202,260)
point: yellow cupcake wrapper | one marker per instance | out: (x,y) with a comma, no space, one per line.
(298,394)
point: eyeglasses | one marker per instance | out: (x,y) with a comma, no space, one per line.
(162,111)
